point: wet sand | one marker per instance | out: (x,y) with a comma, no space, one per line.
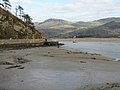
(90,39)
(52,68)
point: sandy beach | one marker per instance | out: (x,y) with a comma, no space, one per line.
(52,68)
(91,39)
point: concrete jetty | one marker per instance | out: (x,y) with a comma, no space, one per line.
(26,43)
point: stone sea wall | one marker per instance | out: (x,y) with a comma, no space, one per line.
(26,43)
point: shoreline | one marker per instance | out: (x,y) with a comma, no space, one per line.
(90,39)
(102,55)
(44,65)
(82,40)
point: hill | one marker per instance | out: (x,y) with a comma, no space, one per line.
(54,27)
(106,20)
(65,29)
(111,29)
(13,27)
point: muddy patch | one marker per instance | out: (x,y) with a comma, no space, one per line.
(6,63)
(14,62)
(20,60)
(106,86)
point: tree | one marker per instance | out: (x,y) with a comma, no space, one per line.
(20,10)
(7,4)
(27,19)
(1,5)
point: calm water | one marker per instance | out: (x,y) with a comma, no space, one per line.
(111,49)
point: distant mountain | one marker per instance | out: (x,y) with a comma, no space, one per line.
(85,25)
(54,27)
(106,20)
(59,28)
(55,24)
(110,29)
(54,21)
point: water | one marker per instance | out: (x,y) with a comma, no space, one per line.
(110,49)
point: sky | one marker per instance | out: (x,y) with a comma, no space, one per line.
(71,10)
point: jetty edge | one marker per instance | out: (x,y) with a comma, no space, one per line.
(27,43)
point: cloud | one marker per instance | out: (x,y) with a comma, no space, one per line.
(85,5)
(22,1)
(75,9)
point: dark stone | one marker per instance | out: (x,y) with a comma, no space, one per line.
(82,62)
(21,67)
(93,58)
(15,66)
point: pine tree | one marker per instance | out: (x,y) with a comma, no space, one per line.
(27,18)
(20,10)
(7,5)
(1,5)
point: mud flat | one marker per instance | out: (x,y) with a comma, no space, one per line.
(92,39)
(52,68)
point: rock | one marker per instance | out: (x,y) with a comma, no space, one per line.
(6,63)
(93,58)
(21,60)
(86,53)
(21,67)
(22,80)
(68,52)
(82,62)
(48,52)
(14,66)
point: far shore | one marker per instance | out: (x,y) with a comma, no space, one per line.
(90,39)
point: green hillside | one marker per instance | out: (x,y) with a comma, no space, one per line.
(57,28)
(13,27)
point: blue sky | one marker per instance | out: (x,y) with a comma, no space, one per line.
(72,10)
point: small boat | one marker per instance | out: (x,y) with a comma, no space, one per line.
(74,41)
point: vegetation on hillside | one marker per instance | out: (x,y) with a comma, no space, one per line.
(16,27)
(56,28)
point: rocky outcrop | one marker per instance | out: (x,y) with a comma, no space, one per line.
(13,27)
